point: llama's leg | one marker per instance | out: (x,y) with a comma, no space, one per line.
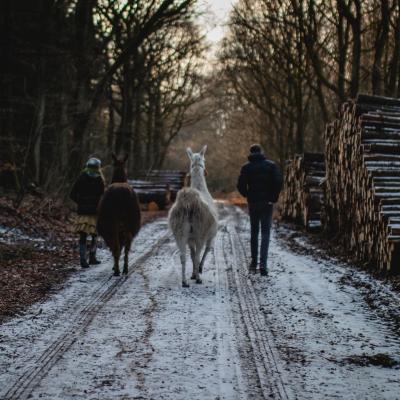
(128,243)
(116,254)
(126,260)
(209,245)
(197,263)
(192,256)
(206,251)
(182,250)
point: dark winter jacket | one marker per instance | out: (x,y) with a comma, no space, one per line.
(86,193)
(260,180)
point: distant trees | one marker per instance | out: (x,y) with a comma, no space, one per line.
(154,86)
(81,77)
(294,61)
(92,76)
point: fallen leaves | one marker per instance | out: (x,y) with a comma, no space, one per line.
(36,251)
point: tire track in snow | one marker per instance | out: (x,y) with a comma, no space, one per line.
(221,285)
(269,373)
(150,311)
(195,337)
(25,384)
(316,322)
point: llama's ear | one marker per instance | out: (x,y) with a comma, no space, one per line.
(189,153)
(114,157)
(203,150)
(126,157)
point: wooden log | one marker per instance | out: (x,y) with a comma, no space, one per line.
(378,100)
(148,192)
(173,178)
(362,185)
(302,199)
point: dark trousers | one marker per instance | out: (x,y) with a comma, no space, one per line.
(260,215)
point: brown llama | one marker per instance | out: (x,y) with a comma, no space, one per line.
(119,215)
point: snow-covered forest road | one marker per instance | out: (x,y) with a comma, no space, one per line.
(313,329)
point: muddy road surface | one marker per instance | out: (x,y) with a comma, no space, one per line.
(313,329)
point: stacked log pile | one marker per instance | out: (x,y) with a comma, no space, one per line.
(149,192)
(302,198)
(362,190)
(158,186)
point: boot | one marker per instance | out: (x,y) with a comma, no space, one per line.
(82,254)
(263,270)
(92,259)
(92,254)
(252,267)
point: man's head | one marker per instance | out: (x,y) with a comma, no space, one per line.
(255,149)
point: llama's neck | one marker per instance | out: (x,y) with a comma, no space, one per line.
(198,181)
(119,177)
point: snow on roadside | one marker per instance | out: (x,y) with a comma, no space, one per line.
(24,339)
(11,235)
(324,329)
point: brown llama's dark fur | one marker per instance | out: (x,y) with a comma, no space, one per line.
(119,215)
(119,172)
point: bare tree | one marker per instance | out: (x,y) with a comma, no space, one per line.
(297,60)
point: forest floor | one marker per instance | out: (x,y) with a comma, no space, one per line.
(315,328)
(38,250)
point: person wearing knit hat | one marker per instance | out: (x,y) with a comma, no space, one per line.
(86,193)
(260,181)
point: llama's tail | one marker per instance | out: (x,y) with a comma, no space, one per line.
(189,213)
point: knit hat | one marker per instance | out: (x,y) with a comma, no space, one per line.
(94,163)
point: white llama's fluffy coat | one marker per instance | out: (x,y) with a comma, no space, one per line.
(193,218)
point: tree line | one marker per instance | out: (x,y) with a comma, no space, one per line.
(289,64)
(87,77)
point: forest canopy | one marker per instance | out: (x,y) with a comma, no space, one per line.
(81,77)
(87,77)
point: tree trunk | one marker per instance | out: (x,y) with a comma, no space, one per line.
(394,69)
(84,36)
(356,52)
(158,130)
(125,129)
(41,109)
(380,41)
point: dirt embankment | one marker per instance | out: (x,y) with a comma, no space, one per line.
(38,249)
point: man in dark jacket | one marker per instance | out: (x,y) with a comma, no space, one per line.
(260,181)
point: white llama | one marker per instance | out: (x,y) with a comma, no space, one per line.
(193,218)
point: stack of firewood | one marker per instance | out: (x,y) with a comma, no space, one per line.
(302,198)
(158,186)
(173,178)
(152,192)
(362,188)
